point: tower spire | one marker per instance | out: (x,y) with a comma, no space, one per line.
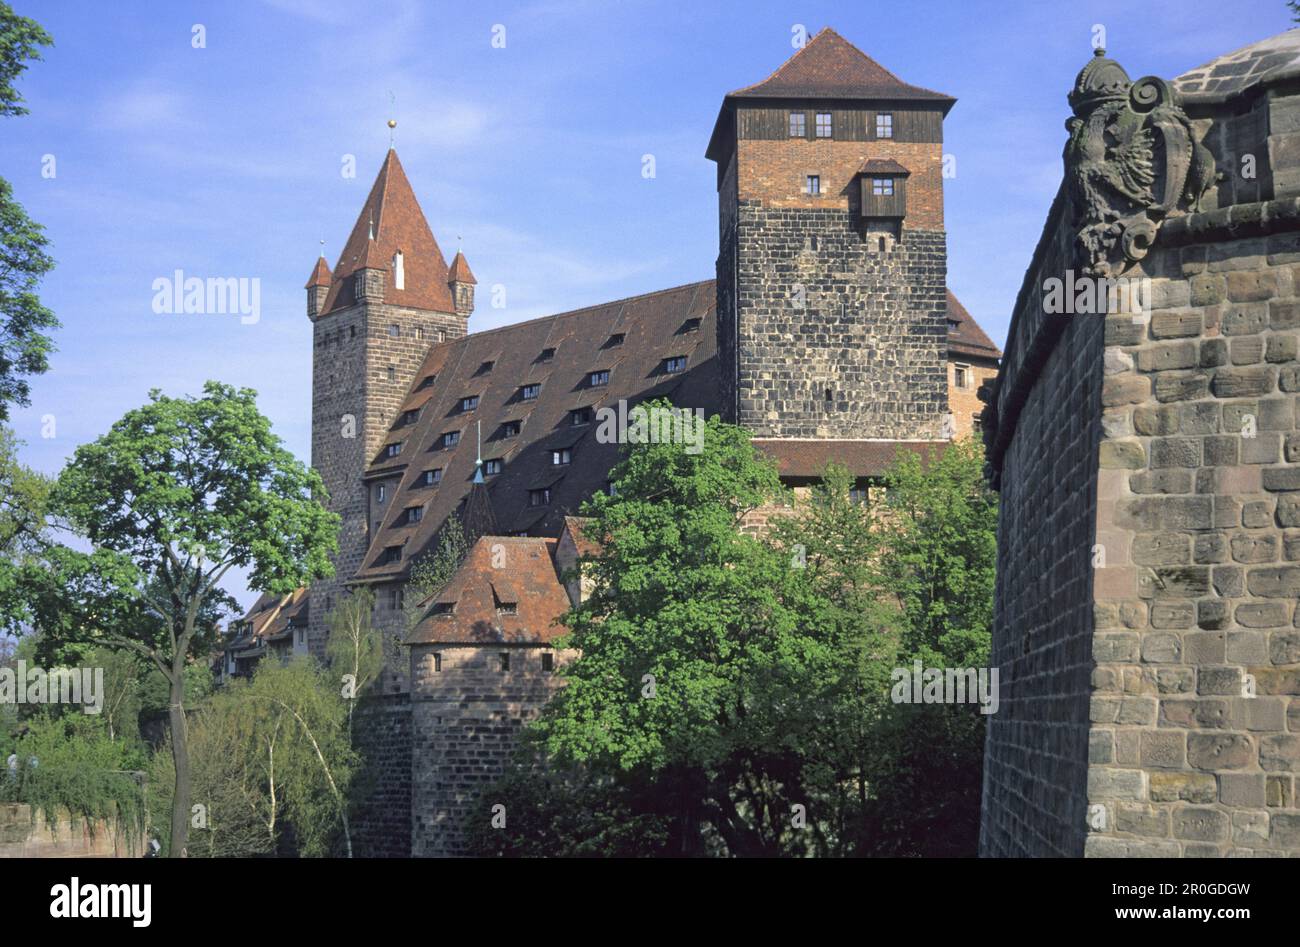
(478,458)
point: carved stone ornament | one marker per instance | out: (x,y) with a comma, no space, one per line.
(1132,160)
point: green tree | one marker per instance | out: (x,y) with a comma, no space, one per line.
(175,495)
(24,346)
(355,648)
(24,495)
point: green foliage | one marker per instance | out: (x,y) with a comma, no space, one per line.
(68,764)
(24,495)
(431,572)
(24,346)
(354,649)
(766,726)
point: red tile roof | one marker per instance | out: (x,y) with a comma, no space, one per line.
(460,272)
(575,526)
(798,458)
(389,221)
(883,166)
(471,609)
(320,276)
(965,337)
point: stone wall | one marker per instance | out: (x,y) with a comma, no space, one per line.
(467,714)
(21,836)
(382,824)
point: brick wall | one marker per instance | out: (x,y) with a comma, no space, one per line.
(383,731)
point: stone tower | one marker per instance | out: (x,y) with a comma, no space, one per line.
(388,299)
(832,261)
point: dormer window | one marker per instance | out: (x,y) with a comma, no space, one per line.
(580,416)
(413,514)
(546,355)
(411,416)
(441,610)
(675,364)
(824,127)
(561,457)
(614,340)
(492,467)
(510,428)
(399,271)
(598,378)
(884,125)
(690,325)
(431,478)
(451,438)
(392,450)
(539,497)
(426,382)
(469,402)
(390,555)
(484,368)
(530,392)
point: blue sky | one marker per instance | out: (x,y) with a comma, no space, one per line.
(225,160)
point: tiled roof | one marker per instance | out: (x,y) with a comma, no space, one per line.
(966,337)
(575,526)
(1265,62)
(517,602)
(829,66)
(271,617)
(800,458)
(558,353)
(460,271)
(320,276)
(393,216)
(883,166)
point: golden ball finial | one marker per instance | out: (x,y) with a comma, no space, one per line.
(392,123)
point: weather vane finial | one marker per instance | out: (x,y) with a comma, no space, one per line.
(392,122)
(322,248)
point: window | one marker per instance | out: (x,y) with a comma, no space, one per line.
(812,184)
(541,497)
(503,660)
(399,271)
(823,124)
(596,379)
(507,608)
(530,392)
(395,598)
(302,636)
(484,368)
(580,416)
(954,323)
(675,364)
(426,382)
(352,332)
(492,467)
(437,662)
(961,375)
(611,488)
(451,439)
(381,491)
(419,332)
(442,609)
(469,402)
(614,340)
(431,478)
(690,325)
(390,555)
(798,125)
(561,457)
(392,373)
(548,661)
(976,423)
(546,355)
(858,495)
(884,125)
(414,514)
(392,450)
(394,331)
(882,186)
(510,428)
(411,416)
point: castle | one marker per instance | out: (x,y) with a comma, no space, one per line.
(828,332)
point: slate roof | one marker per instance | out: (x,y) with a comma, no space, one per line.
(1261,63)
(654,327)
(475,606)
(392,214)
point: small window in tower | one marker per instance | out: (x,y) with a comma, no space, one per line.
(598,378)
(812,184)
(548,661)
(352,332)
(394,331)
(882,244)
(419,332)
(492,467)
(882,186)
(961,375)
(503,660)
(798,125)
(884,125)
(530,392)
(675,364)
(824,125)
(392,373)
(399,271)
(437,662)
(451,439)
(830,396)
(561,457)
(954,323)
(392,450)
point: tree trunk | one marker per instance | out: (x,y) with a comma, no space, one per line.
(181,757)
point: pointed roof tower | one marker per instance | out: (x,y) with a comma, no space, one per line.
(390,222)
(320,276)
(827,67)
(460,272)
